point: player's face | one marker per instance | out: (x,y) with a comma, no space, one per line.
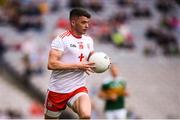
(81,24)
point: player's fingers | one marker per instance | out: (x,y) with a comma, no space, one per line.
(88,73)
(91,63)
(90,66)
(90,70)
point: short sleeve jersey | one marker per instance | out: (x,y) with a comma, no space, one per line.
(75,50)
(109,84)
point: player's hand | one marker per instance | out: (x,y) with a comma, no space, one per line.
(89,71)
(87,67)
(113,97)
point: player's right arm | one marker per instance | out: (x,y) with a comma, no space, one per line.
(54,62)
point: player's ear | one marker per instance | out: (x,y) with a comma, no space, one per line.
(72,22)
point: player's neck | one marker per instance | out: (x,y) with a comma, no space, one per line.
(114,77)
(75,34)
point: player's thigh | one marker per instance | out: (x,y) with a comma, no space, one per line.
(82,105)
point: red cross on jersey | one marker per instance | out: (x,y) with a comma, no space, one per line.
(81,57)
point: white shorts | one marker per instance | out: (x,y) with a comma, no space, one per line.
(116,114)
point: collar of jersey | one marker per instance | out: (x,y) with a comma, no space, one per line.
(76,36)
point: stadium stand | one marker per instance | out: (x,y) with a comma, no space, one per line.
(152,73)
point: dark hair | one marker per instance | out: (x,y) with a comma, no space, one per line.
(77,12)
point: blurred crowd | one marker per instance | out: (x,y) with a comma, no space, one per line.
(115,28)
(23,14)
(164,34)
(35,110)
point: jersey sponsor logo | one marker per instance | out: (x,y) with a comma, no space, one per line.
(72,45)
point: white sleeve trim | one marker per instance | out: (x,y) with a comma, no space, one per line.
(57,49)
(58,44)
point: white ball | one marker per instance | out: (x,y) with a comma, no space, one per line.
(101,60)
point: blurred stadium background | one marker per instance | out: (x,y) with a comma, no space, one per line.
(141,37)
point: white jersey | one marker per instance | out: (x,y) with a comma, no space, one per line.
(75,50)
